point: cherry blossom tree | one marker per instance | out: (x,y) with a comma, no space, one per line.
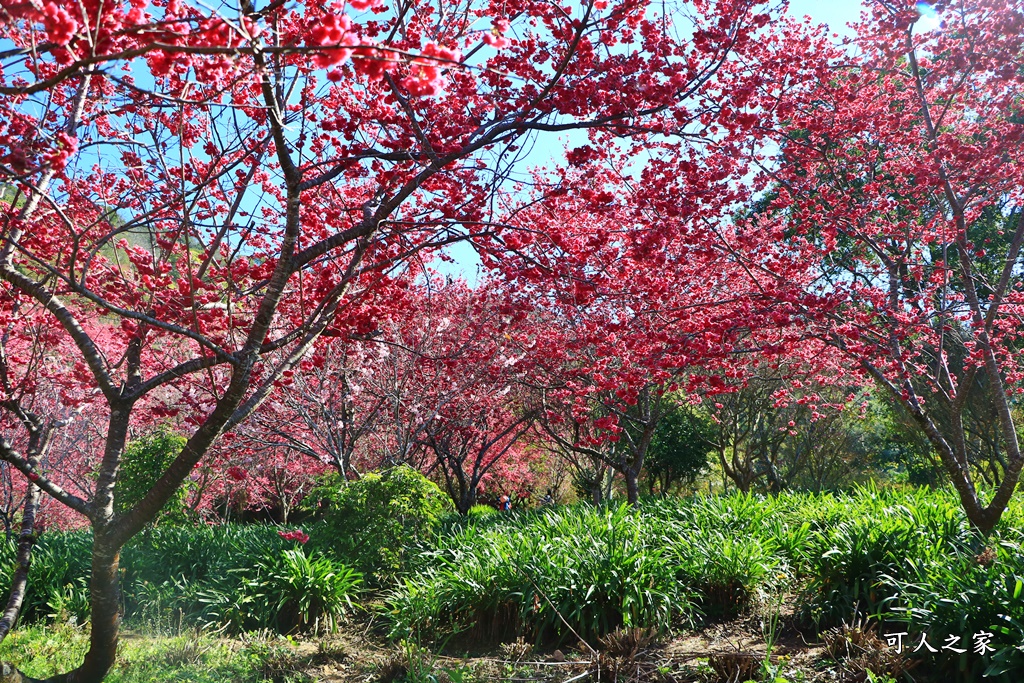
(483,371)
(325,412)
(219,187)
(900,178)
(38,421)
(440,387)
(641,295)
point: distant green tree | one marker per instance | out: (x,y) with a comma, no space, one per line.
(378,519)
(679,449)
(899,449)
(143,461)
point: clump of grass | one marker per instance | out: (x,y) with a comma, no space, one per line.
(961,595)
(307,594)
(883,535)
(230,577)
(572,572)
(724,570)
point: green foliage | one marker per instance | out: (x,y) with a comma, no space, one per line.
(290,592)
(899,448)
(142,463)
(971,588)
(545,574)
(679,448)
(57,578)
(191,658)
(481,512)
(846,556)
(881,534)
(379,520)
(903,557)
(218,577)
(197,575)
(725,570)
(70,604)
(307,594)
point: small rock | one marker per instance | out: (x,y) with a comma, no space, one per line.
(557,656)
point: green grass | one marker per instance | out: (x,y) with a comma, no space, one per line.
(870,553)
(551,575)
(903,557)
(230,577)
(42,651)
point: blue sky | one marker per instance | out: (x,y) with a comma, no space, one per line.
(836,13)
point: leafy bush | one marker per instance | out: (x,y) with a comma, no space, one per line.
(679,449)
(380,520)
(884,534)
(724,570)
(175,574)
(142,463)
(57,578)
(481,512)
(70,604)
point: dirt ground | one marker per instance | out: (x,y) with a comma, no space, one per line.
(730,652)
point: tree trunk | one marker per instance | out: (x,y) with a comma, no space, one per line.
(608,480)
(466,500)
(105,600)
(40,438)
(775,484)
(632,488)
(19,582)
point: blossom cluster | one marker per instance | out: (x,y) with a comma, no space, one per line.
(294,535)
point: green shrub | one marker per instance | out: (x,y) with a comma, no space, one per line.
(964,592)
(679,448)
(177,575)
(57,578)
(174,576)
(195,554)
(142,463)
(724,570)
(70,603)
(290,592)
(884,534)
(381,520)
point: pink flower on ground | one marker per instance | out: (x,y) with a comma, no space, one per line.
(294,535)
